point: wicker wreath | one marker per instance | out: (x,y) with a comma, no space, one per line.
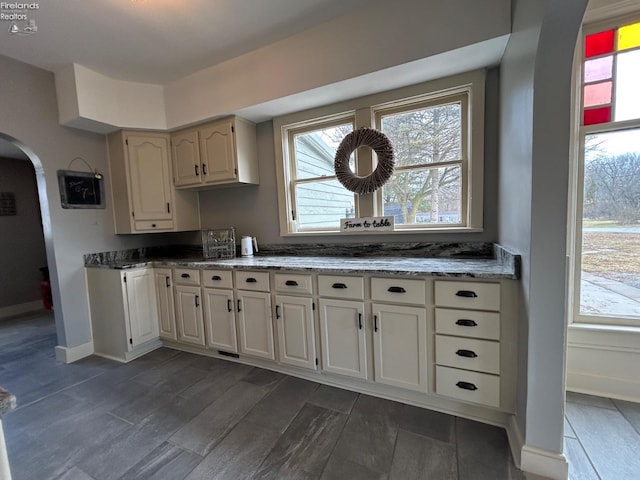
(379,143)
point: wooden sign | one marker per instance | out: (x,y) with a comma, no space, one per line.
(367,224)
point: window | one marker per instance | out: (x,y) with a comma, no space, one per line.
(438,156)
(607,267)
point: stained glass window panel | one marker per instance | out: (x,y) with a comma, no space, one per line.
(597,94)
(598,43)
(597,115)
(627,81)
(598,69)
(629,36)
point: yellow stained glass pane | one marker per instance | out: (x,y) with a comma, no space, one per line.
(629,36)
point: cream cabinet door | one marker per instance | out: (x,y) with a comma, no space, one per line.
(220,319)
(400,346)
(186,159)
(189,315)
(143,311)
(254,324)
(342,333)
(217,152)
(166,309)
(149,174)
(296,335)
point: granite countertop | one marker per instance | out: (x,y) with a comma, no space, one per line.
(7,401)
(407,262)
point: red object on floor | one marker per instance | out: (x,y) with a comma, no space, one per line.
(45,290)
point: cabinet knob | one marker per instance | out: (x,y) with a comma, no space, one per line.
(466,386)
(466,294)
(153,225)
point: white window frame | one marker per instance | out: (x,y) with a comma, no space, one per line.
(365,111)
(575,318)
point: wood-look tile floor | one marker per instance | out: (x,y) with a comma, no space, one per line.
(173,415)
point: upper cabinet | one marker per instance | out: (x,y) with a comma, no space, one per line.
(144,197)
(219,153)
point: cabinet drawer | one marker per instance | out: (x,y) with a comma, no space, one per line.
(399,290)
(341,287)
(468,386)
(468,323)
(258,281)
(217,278)
(476,295)
(150,225)
(468,353)
(293,283)
(186,276)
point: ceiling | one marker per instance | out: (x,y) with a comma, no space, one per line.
(157,41)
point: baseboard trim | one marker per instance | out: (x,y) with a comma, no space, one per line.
(514,435)
(72,354)
(544,463)
(601,386)
(19,309)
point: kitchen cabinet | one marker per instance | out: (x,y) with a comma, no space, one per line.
(468,346)
(219,314)
(166,308)
(144,199)
(223,152)
(400,346)
(342,334)
(295,325)
(188,302)
(253,306)
(124,312)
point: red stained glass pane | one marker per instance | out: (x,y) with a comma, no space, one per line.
(598,43)
(594,116)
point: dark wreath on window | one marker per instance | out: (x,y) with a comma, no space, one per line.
(379,143)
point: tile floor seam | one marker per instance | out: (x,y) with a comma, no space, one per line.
(344,425)
(393,452)
(637,429)
(593,467)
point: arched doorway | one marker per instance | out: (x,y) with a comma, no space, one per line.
(32,242)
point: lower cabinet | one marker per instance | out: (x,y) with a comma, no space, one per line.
(166,308)
(296,333)
(342,333)
(189,317)
(124,312)
(400,346)
(220,319)
(254,324)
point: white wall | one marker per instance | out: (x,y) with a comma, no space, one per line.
(22,252)
(30,115)
(534,164)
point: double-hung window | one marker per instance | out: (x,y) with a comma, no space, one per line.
(436,130)
(607,269)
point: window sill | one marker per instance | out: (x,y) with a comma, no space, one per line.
(604,337)
(322,233)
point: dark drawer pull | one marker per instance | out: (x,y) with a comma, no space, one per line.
(291,283)
(467,353)
(463,322)
(338,285)
(166,282)
(277,311)
(396,290)
(375,323)
(251,280)
(466,294)
(229,305)
(239,306)
(185,275)
(466,386)
(204,168)
(197,301)
(359,321)
(216,278)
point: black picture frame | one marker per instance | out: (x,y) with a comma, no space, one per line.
(81,189)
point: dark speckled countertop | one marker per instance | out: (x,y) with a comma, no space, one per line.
(462,260)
